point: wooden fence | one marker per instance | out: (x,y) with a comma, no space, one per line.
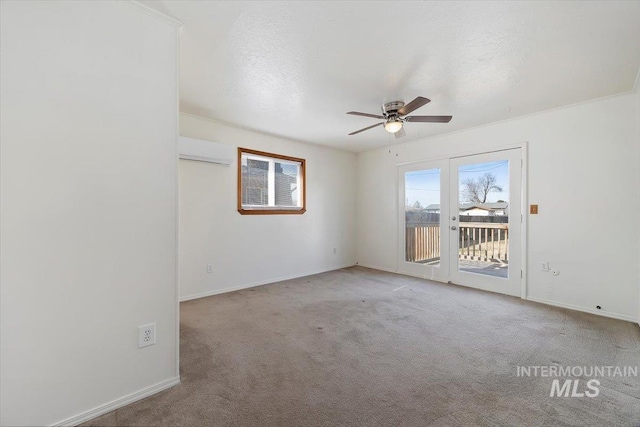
(479,241)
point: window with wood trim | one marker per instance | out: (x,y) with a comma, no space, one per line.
(270,183)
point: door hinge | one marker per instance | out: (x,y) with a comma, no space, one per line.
(521,274)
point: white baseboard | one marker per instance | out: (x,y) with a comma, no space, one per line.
(260,283)
(119,403)
(584,309)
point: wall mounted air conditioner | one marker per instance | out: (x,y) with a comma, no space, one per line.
(206,151)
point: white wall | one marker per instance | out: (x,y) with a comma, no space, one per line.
(89,125)
(254,249)
(583,172)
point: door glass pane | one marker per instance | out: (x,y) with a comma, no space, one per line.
(422,216)
(483,210)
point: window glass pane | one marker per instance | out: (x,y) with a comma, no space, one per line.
(286,184)
(255,182)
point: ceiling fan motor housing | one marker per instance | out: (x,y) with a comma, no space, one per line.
(391,108)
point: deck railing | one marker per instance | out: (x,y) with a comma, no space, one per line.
(422,242)
(483,241)
(479,241)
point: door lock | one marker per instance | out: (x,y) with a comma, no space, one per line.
(453,227)
(453,218)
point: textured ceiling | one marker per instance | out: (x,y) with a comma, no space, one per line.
(294,68)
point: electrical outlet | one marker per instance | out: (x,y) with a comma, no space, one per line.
(209,268)
(146,335)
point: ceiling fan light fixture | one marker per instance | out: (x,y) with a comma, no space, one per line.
(393,126)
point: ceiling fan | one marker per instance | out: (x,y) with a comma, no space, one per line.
(395,113)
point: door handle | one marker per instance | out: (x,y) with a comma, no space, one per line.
(453,218)
(453,227)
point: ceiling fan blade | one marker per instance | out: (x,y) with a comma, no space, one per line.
(413,105)
(375,116)
(400,133)
(367,128)
(429,119)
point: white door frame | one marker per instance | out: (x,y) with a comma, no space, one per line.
(524,200)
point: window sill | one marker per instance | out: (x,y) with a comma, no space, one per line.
(271,211)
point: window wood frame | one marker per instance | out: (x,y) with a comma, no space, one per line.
(269,210)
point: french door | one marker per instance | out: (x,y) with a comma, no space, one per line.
(460,220)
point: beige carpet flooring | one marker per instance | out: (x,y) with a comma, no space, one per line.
(359,347)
